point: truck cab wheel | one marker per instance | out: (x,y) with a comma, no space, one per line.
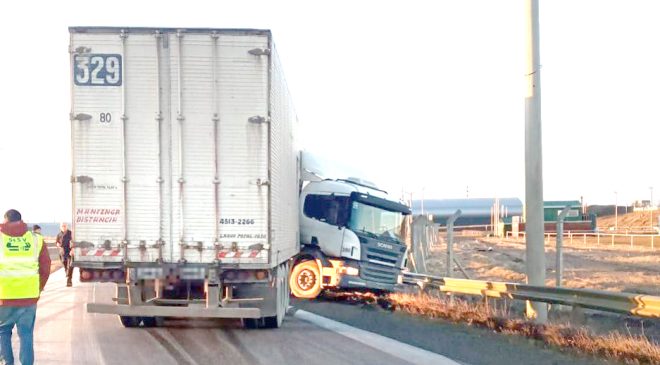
(305,280)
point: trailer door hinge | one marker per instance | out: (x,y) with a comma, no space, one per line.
(80,116)
(258,119)
(81,179)
(81,50)
(260,51)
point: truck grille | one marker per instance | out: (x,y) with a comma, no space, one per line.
(379,273)
(383,257)
(380,264)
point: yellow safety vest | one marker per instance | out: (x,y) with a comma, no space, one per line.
(19,266)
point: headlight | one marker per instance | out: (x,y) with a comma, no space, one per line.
(352,271)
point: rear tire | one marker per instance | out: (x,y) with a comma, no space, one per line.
(149,321)
(305,280)
(252,323)
(129,321)
(282,298)
(272,322)
(282,303)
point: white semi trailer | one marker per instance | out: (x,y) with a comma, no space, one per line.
(185,176)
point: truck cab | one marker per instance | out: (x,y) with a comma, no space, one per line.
(351,238)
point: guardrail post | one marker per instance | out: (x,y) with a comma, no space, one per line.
(450,240)
(652,237)
(570,235)
(584,239)
(559,265)
(417,243)
(598,239)
(577,315)
(424,239)
(631,241)
(612,236)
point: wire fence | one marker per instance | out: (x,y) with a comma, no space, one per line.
(427,236)
(599,239)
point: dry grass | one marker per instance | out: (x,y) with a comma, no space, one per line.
(632,219)
(628,348)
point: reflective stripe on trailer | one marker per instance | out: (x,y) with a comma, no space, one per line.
(100,252)
(238,254)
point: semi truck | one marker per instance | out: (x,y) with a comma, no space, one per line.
(185,172)
(351,235)
(188,188)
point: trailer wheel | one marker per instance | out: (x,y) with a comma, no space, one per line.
(305,280)
(149,321)
(282,298)
(129,321)
(252,323)
(282,303)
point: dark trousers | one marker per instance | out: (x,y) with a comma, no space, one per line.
(68,267)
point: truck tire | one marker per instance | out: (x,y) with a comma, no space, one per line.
(252,323)
(305,280)
(282,298)
(149,321)
(283,295)
(122,297)
(263,322)
(130,321)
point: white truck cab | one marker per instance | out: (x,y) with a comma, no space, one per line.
(351,238)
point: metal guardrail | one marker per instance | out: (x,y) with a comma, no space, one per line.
(626,303)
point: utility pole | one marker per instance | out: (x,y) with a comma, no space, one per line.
(534,226)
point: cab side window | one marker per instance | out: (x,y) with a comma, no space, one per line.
(327,208)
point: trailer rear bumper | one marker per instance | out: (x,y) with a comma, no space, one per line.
(171,311)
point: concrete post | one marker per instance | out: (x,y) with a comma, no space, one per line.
(535,253)
(616,211)
(560,236)
(450,240)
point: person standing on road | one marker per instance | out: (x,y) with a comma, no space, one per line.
(24,270)
(36,229)
(64,244)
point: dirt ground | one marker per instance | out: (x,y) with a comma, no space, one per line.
(619,268)
(630,221)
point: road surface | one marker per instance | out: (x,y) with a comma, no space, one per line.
(66,334)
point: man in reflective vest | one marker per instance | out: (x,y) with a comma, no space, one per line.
(24,270)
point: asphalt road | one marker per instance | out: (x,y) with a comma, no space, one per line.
(461,342)
(66,334)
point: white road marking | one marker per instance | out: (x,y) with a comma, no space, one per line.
(387,345)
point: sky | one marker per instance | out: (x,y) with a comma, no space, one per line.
(422,97)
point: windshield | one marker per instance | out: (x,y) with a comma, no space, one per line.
(376,222)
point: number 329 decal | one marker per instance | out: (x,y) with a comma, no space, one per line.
(97,70)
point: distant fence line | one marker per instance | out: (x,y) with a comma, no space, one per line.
(611,239)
